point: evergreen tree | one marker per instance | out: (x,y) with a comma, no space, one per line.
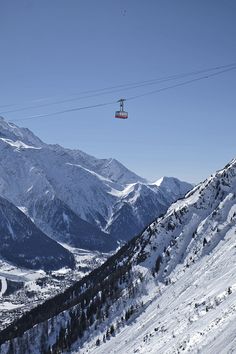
(112,330)
(158,263)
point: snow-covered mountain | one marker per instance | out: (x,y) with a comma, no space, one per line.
(140,204)
(171,289)
(76,198)
(22,243)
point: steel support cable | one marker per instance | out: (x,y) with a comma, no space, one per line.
(180,84)
(66,111)
(118,88)
(129,98)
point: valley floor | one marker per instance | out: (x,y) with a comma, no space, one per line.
(22,289)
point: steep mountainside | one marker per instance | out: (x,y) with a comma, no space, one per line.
(140,204)
(22,243)
(171,289)
(76,198)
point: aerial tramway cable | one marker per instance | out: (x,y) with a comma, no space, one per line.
(226,68)
(114,89)
(180,84)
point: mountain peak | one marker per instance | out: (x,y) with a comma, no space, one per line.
(173,184)
(166,180)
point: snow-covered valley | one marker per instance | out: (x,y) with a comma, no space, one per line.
(23,289)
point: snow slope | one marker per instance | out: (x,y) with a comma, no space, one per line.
(171,289)
(196,314)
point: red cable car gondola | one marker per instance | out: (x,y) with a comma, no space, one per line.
(121,113)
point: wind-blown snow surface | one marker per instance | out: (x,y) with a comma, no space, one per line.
(170,290)
(76,198)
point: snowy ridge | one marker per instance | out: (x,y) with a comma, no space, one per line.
(140,203)
(92,193)
(171,289)
(13,132)
(18,144)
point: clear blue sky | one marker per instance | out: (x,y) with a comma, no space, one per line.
(56,49)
